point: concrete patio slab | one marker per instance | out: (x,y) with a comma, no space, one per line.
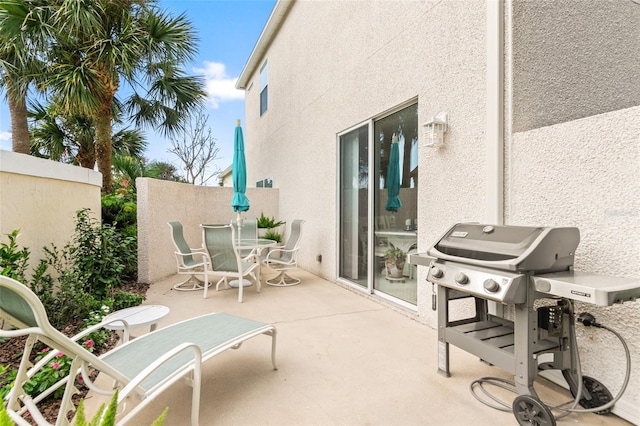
(343,358)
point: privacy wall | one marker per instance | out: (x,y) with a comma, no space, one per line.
(41,197)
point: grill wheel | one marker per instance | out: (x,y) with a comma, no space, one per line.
(531,411)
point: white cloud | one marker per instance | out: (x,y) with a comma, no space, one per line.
(5,136)
(219,86)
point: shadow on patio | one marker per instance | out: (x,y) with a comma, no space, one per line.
(343,359)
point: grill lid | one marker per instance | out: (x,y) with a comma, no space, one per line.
(514,248)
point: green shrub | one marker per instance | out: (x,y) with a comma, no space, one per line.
(94,255)
(49,375)
(273,235)
(268,222)
(7,377)
(13,261)
(120,212)
(89,271)
(100,336)
(126,299)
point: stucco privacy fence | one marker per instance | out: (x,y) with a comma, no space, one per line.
(40,198)
(161,201)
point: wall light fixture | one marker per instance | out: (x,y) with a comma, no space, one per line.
(434,129)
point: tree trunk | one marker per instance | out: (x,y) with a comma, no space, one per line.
(19,126)
(85,158)
(103,146)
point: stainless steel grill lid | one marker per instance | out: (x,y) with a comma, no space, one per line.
(512,248)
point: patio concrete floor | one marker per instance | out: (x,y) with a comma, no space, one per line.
(343,358)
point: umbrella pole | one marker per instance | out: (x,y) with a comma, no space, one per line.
(239,223)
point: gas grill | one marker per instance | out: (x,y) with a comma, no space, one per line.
(515,266)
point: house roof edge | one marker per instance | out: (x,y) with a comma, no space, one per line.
(278,15)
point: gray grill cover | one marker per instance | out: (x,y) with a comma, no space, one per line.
(512,248)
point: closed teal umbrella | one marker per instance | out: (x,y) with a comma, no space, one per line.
(393,177)
(240,202)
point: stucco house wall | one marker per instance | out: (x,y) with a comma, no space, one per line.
(40,198)
(571,135)
(336,64)
(573,59)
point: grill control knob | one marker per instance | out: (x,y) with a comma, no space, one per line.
(437,272)
(462,278)
(491,285)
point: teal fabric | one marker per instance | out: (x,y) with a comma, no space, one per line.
(292,242)
(248,231)
(15,305)
(393,179)
(219,243)
(240,202)
(177,234)
(210,332)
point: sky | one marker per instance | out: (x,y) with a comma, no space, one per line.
(227,31)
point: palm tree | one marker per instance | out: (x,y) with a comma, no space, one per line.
(128,168)
(95,46)
(71,138)
(19,64)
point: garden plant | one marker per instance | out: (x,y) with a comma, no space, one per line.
(78,285)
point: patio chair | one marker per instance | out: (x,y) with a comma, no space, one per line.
(189,261)
(223,259)
(143,367)
(248,231)
(285,258)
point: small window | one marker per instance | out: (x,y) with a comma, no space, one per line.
(265,183)
(264,90)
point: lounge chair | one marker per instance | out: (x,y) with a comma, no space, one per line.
(285,258)
(224,261)
(144,367)
(189,261)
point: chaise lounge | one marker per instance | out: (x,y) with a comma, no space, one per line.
(144,367)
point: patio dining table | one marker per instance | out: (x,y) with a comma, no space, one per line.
(256,245)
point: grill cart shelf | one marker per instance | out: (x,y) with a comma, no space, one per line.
(513,346)
(498,267)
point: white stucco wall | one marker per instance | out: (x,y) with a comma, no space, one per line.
(573,59)
(160,202)
(586,173)
(40,197)
(336,64)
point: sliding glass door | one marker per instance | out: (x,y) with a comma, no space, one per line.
(353,263)
(378,204)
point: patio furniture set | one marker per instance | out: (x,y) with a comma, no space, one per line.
(146,366)
(143,367)
(233,253)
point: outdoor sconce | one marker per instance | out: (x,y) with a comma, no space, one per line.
(434,130)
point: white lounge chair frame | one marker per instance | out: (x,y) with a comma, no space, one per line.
(144,367)
(189,261)
(285,258)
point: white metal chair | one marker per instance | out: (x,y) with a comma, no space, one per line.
(143,367)
(223,259)
(189,261)
(285,258)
